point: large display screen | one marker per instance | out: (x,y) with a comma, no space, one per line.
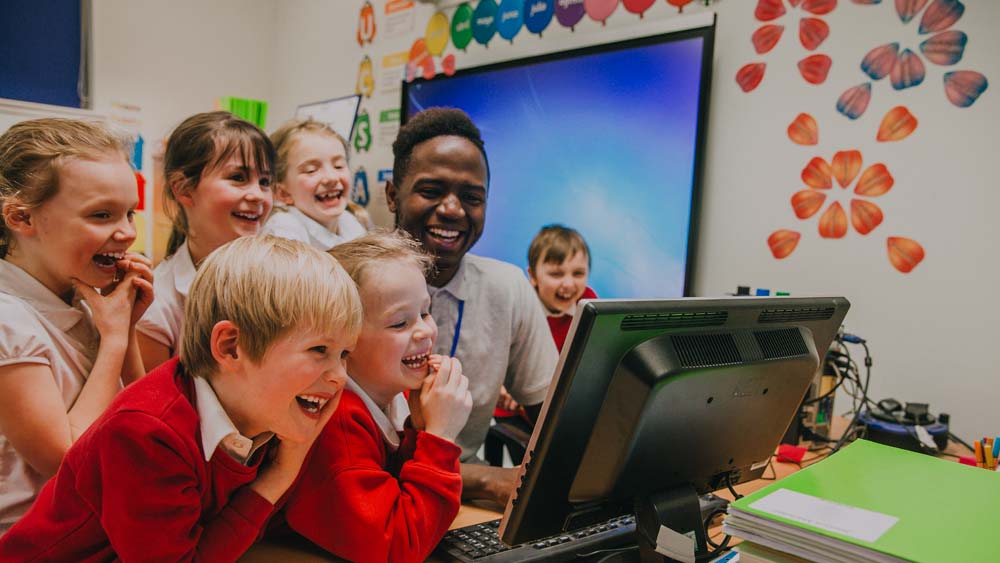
(607,140)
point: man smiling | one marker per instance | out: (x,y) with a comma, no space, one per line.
(487,313)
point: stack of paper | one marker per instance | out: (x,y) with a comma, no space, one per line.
(874,503)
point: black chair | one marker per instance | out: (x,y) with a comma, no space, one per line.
(511,432)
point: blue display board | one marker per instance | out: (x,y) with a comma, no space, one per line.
(40,51)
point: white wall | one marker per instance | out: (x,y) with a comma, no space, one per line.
(174,59)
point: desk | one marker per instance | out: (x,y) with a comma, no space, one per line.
(303,552)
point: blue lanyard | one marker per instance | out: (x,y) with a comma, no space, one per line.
(458,327)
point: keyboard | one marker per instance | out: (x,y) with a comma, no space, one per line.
(480,543)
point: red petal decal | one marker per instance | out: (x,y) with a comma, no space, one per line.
(941,15)
(909,71)
(854,101)
(904,253)
(804,130)
(945,48)
(768,10)
(750,75)
(833,222)
(812,32)
(875,181)
(806,203)
(963,87)
(795,3)
(817,174)
(765,38)
(865,216)
(783,242)
(814,68)
(879,61)
(819,7)
(846,165)
(897,124)
(908,9)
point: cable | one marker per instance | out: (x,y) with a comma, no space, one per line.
(729,485)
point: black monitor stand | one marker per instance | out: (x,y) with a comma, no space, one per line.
(677,509)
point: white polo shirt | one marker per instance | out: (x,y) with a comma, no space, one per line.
(37,327)
(218,430)
(288,222)
(164,318)
(503,339)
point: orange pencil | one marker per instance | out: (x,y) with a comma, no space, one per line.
(979,454)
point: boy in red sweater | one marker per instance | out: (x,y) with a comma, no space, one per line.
(188,463)
(558,266)
(377,488)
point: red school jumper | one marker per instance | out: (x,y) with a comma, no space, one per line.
(362,501)
(136,487)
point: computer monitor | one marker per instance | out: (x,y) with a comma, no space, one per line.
(665,399)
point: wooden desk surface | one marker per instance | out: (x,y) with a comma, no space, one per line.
(297,552)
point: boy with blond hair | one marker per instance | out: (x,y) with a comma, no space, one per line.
(189,462)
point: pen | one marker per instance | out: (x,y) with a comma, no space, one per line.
(979,453)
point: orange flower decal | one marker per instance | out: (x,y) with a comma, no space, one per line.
(904,253)
(846,209)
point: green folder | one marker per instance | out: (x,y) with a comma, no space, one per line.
(946,511)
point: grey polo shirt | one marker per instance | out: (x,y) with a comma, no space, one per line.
(503,339)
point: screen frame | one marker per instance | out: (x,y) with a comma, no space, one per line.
(701,30)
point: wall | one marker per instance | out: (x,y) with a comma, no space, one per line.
(930,331)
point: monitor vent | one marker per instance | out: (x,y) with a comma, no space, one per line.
(782,343)
(703,350)
(796,314)
(674,320)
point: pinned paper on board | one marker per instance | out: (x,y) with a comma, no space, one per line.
(362,132)
(510,18)
(359,188)
(484,21)
(436,34)
(538,15)
(569,13)
(366,77)
(600,10)
(366,24)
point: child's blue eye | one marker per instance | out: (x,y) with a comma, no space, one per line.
(319,349)
(344,354)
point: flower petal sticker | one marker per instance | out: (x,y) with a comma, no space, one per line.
(908,72)
(750,75)
(814,68)
(765,38)
(941,15)
(845,167)
(806,203)
(783,242)
(812,32)
(963,87)
(854,101)
(865,216)
(768,10)
(819,7)
(945,48)
(908,9)
(904,253)
(833,222)
(897,125)
(879,62)
(875,181)
(804,130)
(817,174)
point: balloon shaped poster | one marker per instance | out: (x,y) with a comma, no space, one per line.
(538,14)
(484,24)
(638,6)
(421,62)
(461,27)
(569,12)
(681,3)
(600,10)
(436,35)
(510,18)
